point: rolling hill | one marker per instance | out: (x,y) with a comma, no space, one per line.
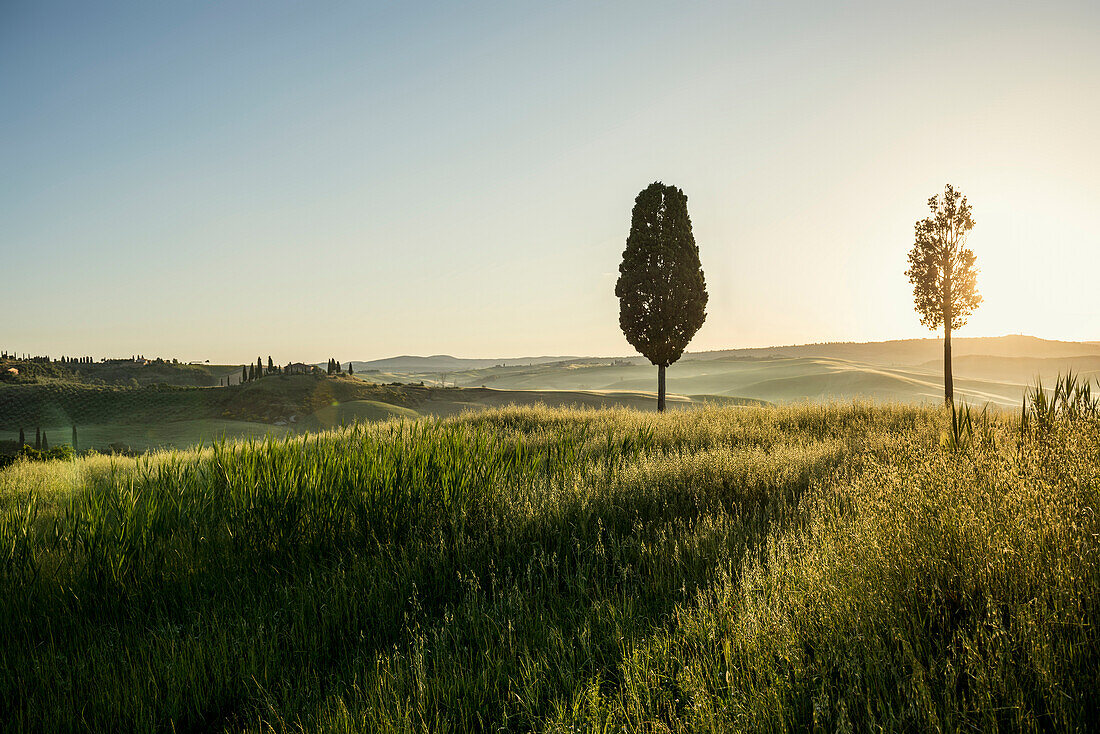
(987,370)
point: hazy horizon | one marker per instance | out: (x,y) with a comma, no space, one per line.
(213,182)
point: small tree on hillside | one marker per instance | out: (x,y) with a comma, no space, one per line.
(941,269)
(661,289)
(270,364)
(22,439)
(351,370)
(244,374)
(45,442)
(259,367)
(38,438)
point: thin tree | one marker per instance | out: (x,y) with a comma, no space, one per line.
(38,439)
(22,439)
(244,374)
(45,442)
(270,364)
(942,271)
(259,368)
(661,289)
(351,370)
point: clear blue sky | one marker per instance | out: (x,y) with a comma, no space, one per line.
(221,180)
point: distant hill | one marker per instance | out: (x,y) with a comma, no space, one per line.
(444,362)
(988,370)
(918,351)
(899,351)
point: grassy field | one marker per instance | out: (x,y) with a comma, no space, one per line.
(837,567)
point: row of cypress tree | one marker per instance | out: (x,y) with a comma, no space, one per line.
(41,441)
(256,371)
(334,367)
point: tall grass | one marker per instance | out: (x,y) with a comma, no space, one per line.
(763,569)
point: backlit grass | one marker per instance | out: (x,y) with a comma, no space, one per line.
(838,567)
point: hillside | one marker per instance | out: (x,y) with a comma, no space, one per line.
(158,415)
(154,404)
(839,568)
(987,370)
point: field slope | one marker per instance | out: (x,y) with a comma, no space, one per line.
(726,569)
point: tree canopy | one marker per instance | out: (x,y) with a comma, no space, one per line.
(941,266)
(661,289)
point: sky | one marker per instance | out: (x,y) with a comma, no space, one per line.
(360,180)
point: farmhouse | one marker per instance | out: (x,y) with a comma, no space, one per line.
(297,368)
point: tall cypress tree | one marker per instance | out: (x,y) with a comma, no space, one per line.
(38,438)
(244,374)
(22,439)
(661,289)
(45,442)
(259,368)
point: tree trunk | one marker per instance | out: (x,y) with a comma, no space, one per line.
(948,381)
(661,388)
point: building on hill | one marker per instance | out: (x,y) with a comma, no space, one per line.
(297,368)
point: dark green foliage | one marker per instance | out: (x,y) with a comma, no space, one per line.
(62,452)
(351,370)
(244,374)
(45,442)
(661,290)
(22,438)
(38,439)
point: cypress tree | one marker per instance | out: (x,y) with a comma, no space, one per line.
(351,370)
(244,374)
(259,368)
(22,439)
(45,442)
(270,364)
(661,289)
(38,439)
